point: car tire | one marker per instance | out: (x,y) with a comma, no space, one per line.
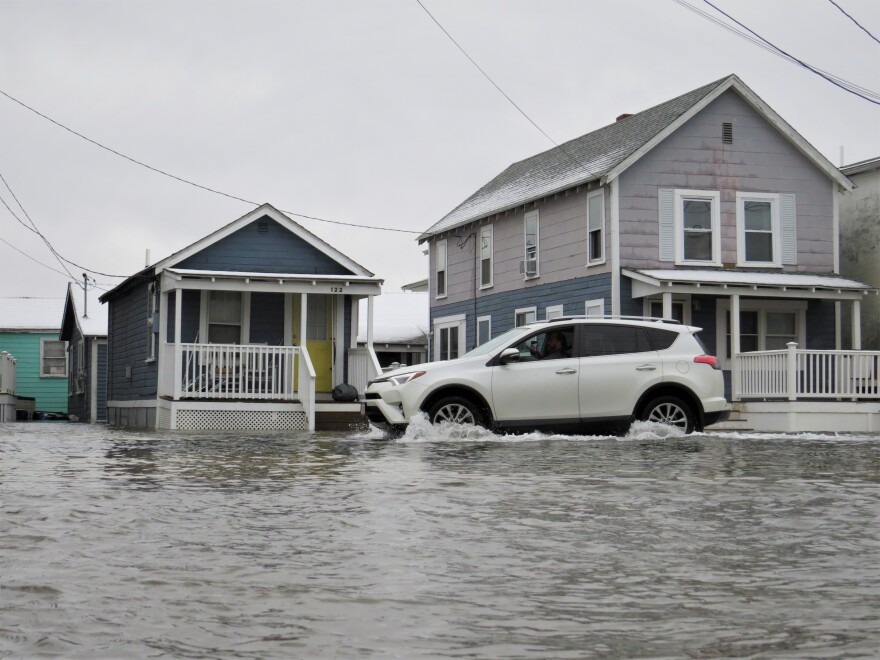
(669,410)
(455,409)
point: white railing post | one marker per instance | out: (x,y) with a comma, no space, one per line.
(792,370)
(307,386)
(178,355)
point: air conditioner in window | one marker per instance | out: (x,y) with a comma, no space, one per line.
(528,267)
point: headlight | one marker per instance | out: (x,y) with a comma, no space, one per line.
(398,380)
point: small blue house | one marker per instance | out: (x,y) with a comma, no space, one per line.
(29,332)
(250,327)
(84,328)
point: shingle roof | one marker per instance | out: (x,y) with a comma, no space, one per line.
(578,161)
(398,318)
(861,166)
(31,313)
(95,324)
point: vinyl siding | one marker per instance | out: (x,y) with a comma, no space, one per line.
(275,251)
(128,347)
(759,160)
(562,249)
(50,393)
(571,294)
(102,380)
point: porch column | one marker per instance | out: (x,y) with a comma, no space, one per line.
(857,325)
(734,347)
(164,358)
(303,318)
(667,305)
(178,355)
(370,321)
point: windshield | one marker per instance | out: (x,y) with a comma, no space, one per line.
(500,340)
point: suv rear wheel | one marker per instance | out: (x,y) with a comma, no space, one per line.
(455,409)
(669,410)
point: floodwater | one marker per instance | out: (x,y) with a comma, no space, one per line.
(445,543)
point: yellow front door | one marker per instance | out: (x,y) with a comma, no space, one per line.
(319,337)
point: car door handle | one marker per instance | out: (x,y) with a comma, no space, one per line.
(646,367)
(567,370)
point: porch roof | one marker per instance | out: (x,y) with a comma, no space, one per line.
(747,283)
(182,278)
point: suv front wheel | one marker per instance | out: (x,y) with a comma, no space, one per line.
(455,409)
(669,410)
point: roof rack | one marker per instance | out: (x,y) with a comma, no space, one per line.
(618,317)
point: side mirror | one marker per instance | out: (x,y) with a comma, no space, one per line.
(508,355)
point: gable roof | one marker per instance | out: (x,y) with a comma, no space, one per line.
(398,318)
(264,210)
(607,152)
(861,167)
(30,314)
(92,325)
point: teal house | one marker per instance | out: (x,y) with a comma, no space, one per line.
(29,331)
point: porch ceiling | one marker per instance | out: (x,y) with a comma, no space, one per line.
(355,285)
(745,283)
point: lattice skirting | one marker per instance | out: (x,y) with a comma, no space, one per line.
(241,420)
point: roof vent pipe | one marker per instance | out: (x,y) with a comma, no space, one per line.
(147,259)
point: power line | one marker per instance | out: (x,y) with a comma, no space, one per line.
(55,270)
(755,42)
(503,93)
(800,62)
(854,21)
(193,183)
(34,229)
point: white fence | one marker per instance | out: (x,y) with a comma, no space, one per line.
(363,365)
(795,374)
(7,373)
(232,371)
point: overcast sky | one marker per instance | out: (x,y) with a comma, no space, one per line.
(357,111)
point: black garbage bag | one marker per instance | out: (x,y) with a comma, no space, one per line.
(345,392)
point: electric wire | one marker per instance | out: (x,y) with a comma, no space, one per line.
(844,12)
(193,183)
(800,62)
(744,35)
(36,230)
(25,254)
(503,93)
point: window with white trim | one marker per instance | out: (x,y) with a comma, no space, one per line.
(53,358)
(486,261)
(697,227)
(531,240)
(764,325)
(449,337)
(553,312)
(596,227)
(679,310)
(524,316)
(440,268)
(484,329)
(152,316)
(595,307)
(224,317)
(757,229)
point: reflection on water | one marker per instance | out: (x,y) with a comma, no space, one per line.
(446,542)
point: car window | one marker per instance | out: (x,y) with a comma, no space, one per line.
(614,340)
(551,344)
(661,339)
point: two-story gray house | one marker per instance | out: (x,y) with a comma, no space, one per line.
(709,208)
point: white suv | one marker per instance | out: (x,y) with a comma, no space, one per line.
(568,375)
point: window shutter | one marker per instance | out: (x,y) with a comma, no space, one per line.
(666,217)
(788,229)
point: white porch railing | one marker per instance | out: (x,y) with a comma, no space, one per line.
(7,373)
(232,371)
(806,374)
(363,365)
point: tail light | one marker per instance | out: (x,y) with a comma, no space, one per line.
(711,360)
